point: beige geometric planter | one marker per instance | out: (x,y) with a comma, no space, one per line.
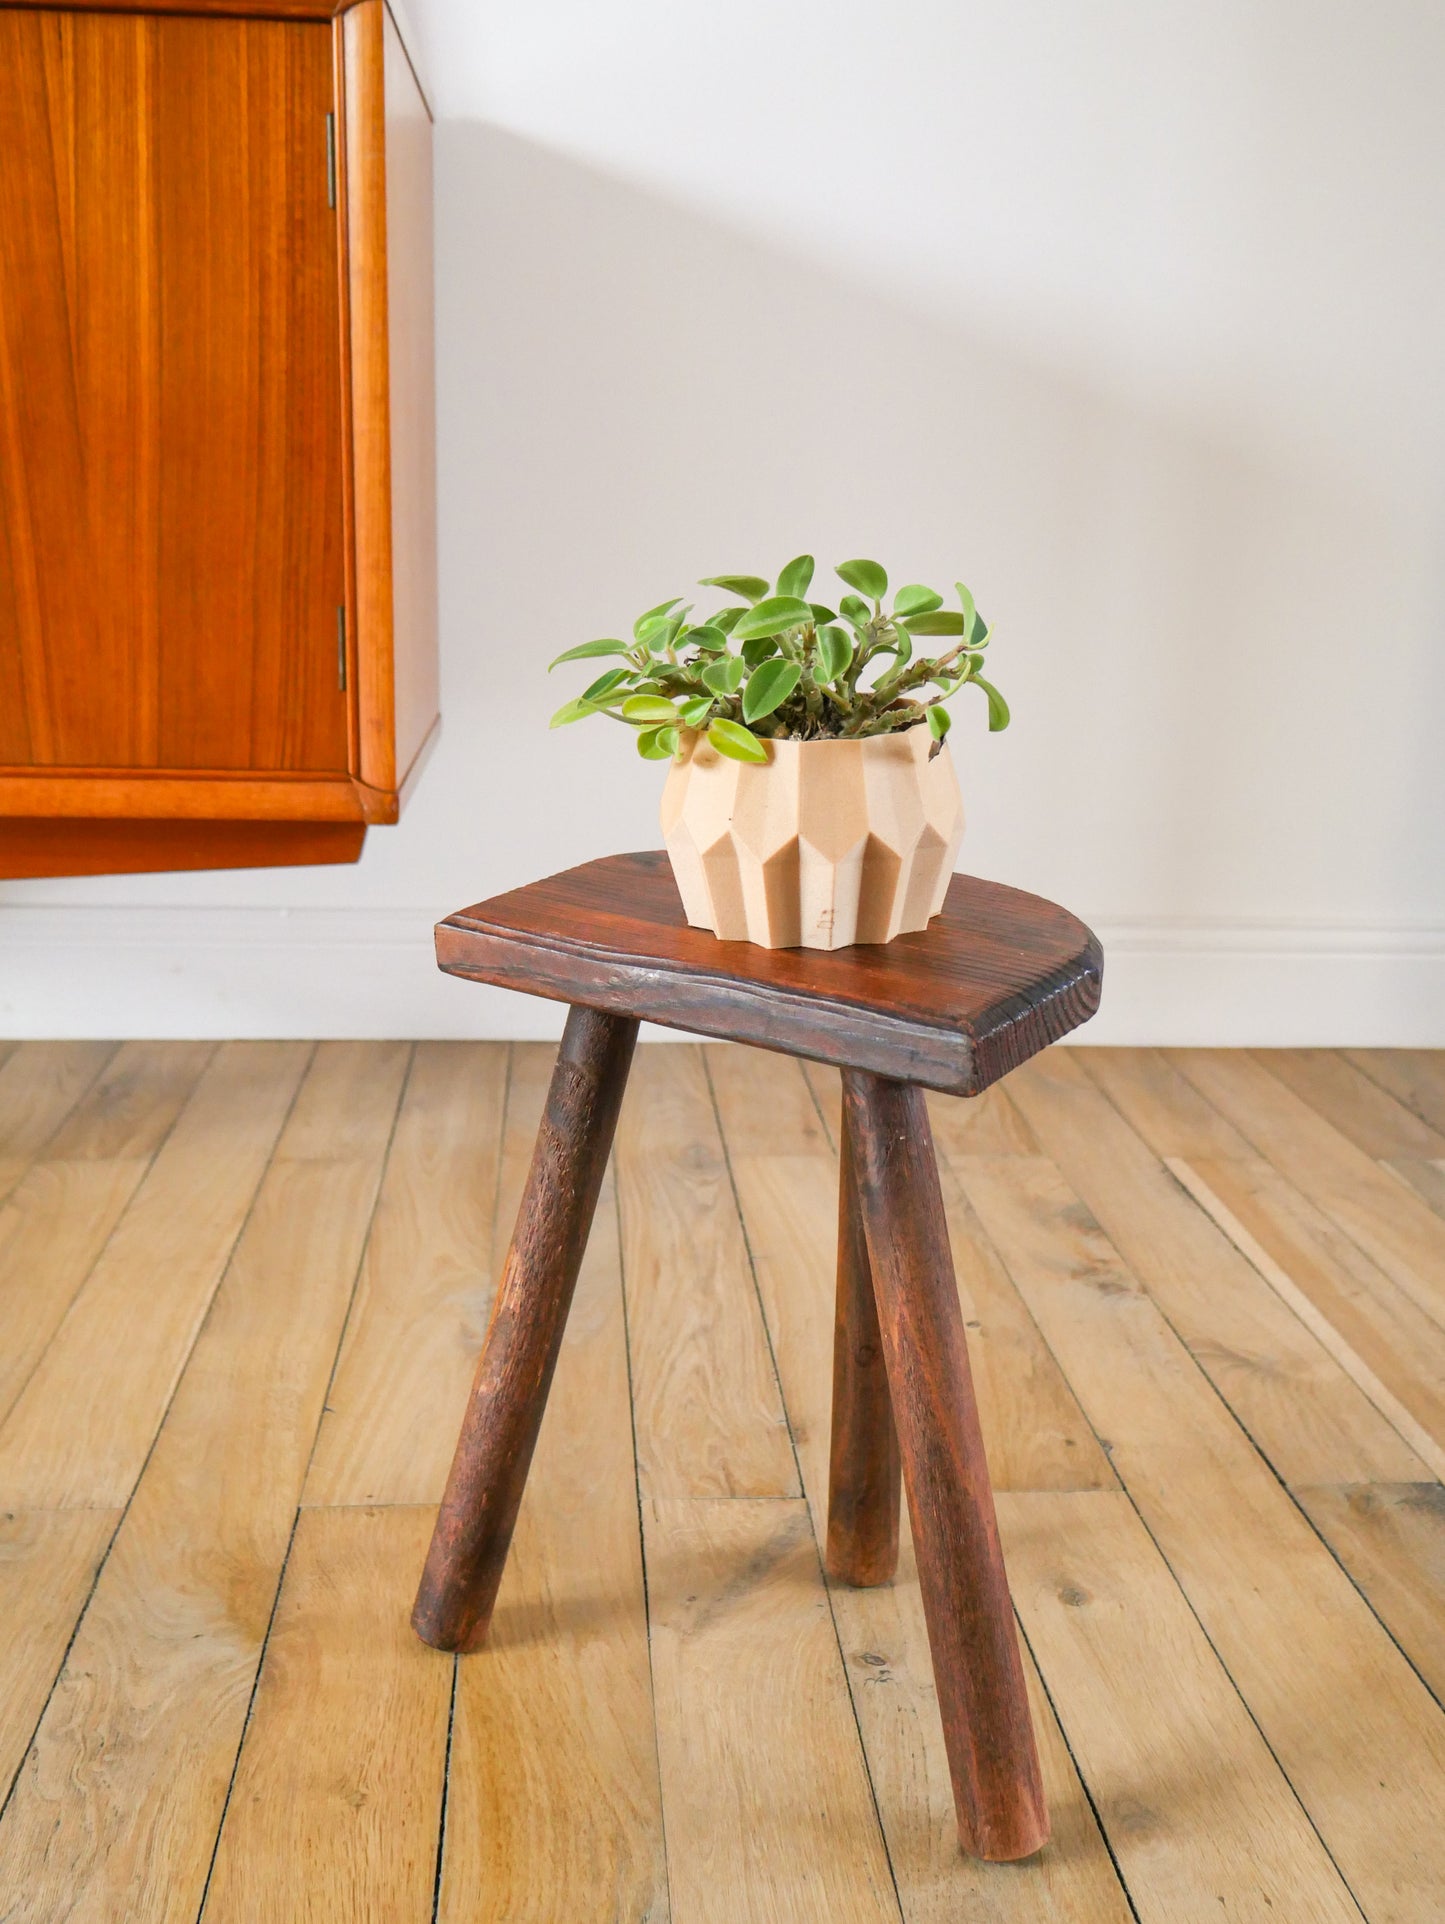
(826,844)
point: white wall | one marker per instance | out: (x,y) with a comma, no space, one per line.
(1131,314)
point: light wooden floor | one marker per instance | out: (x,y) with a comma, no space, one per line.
(241,1289)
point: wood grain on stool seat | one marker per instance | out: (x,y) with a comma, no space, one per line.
(991,981)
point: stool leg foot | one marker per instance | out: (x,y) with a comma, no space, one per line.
(987,1730)
(864,1474)
(499,1432)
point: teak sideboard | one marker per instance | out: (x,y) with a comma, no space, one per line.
(217,433)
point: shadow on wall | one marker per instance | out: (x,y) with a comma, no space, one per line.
(1222,672)
(1225,670)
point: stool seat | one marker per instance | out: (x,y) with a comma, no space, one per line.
(993,979)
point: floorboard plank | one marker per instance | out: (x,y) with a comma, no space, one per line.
(61,1213)
(1371,1327)
(40,1083)
(48,1561)
(986,1125)
(708,1414)
(336,1807)
(125,1338)
(1391,1539)
(1312,1422)
(1415,1077)
(118,1803)
(1198,1813)
(1071,1881)
(416,1325)
(786,1175)
(1213,1676)
(1427,1179)
(770,1819)
(553,1806)
(787,1180)
(1390,1223)
(1359,1737)
(1352,1102)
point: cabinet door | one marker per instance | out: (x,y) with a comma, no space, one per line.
(172,547)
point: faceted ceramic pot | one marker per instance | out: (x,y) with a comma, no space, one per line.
(826,844)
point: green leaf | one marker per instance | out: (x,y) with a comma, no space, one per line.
(662,608)
(769,686)
(998,715)
(571,711)
(732,739)
(750,587)
(980,635)
(587,650)
(724,677)
(944,622)
(727,619)
(855,611)
(772,616)
(605,684)
(650,627)
(759,649)
(970,611)
(915,599)
(707,636)
(795,577)
(835,651)
(939,720)
(650,744)
(821,615)
(902,647)
(648,708)
(866,576)
(695,712)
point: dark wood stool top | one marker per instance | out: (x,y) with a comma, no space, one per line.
(991,981)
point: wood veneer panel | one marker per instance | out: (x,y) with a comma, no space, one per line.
(411,337)
(222,9)
(167,795)
(170,400)
(388,181)
(32,845)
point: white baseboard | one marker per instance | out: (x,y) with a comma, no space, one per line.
(121,972)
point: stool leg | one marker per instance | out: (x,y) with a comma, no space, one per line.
(987,1731)
(499,1431)
(863,1469)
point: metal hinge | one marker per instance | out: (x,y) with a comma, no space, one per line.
(341,649)
(331,160)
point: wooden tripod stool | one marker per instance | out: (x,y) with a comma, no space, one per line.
(995,978)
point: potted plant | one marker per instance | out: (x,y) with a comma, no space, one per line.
(812,801)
